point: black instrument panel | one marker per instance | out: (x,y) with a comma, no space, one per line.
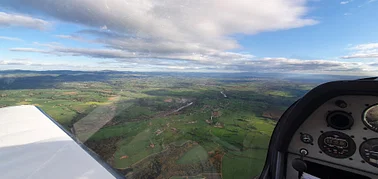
(343,130)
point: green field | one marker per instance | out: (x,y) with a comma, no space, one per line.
(163,126)
(243,164)
(194,155)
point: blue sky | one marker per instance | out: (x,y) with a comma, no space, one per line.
(288,36)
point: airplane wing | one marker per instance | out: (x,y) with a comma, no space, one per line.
(32,145)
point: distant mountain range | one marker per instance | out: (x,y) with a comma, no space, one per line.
(315,78)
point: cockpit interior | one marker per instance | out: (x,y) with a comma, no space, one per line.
(332,132)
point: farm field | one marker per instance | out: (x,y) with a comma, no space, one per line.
(150,125)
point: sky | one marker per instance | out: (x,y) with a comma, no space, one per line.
(280,36)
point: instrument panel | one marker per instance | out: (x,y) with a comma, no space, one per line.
(342,131)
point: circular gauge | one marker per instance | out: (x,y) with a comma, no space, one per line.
(369,151)
(339,120)
(370,118)
(336,144)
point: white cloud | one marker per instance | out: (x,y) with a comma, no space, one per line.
(14,62)
(28,50)
(125,56)
(361,55)
(346,2)
(299,65)
(7,19)
(367,46)
(32,64)
(180,19)
(104,27)
(71,37)
(368,50)
(171,28)
(10,38)
(276,65)
(191,35)
(366,3)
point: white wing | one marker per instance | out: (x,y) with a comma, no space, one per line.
(34,146)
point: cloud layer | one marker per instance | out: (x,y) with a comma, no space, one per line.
(7,19)
(188,30)
(175,35)
(276,65)
(368,50)
(10,38)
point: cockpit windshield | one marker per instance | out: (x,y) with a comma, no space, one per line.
(179,89)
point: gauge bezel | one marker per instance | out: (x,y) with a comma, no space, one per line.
(339,112)
(365,122)
(363,156)
(351,144)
